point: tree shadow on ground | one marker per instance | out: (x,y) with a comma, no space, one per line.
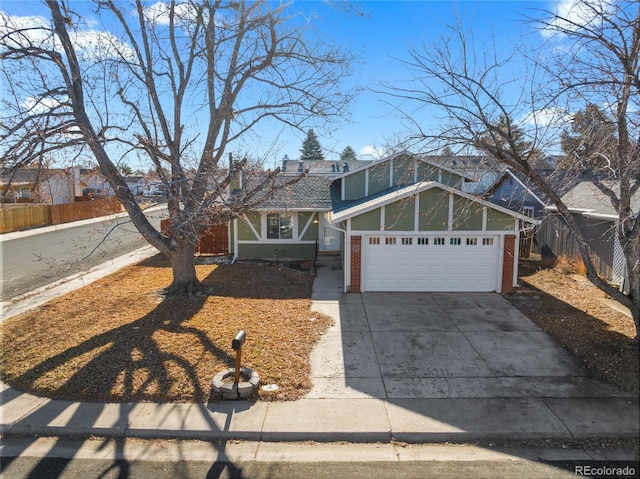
(131,358)
(603,350)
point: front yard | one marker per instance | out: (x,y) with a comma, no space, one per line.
(118,340)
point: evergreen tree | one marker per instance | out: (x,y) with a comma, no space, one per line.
(348,154)
(590,142)
(311,149)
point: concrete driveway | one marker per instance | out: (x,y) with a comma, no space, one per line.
(438,345)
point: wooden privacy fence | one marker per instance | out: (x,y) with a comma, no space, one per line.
(16,217)
(83,210)
(214,240)
(23,216)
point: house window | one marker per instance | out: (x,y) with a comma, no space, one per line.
(24,193)
(438,241)
(423,241)
(528,211)
(373,240)
(472,241)
(279,226)
(487,241)
(454,241)
(390,241)
(407,241)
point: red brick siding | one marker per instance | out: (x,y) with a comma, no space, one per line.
(507,263)
(356,263)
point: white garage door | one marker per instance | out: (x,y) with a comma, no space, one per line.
(431,263)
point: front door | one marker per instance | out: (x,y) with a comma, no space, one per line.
(330,240)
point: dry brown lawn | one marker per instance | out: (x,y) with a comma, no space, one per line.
(118,340)
(566,306)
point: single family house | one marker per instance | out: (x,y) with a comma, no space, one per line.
(401,223)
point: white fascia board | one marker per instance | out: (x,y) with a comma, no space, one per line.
(526,188)
(602,216)
(419,188)
(292,210)
(571,210)
(381,201)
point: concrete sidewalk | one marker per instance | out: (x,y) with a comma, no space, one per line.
(367,394)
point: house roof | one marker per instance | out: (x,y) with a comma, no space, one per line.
(321,167)
(367,204)
(308,193)
(585,198)
(433,160)
(27,176)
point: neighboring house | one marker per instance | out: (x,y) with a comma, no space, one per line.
(88,183)
(401,224)
(322,167)
(135,183)
(53,186)
(515,191)
(36,185)
(597,219)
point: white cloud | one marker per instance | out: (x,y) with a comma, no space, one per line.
(158,13)
(20,32)
(41,105)
(570,15)
(547,118)
(372,151)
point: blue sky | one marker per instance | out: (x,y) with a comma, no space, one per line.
(385,35)
(381,37)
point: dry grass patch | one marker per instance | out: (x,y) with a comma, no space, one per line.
(566,306)
(118,340)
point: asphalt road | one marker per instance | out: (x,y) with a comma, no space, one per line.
(39,257)
(47,468)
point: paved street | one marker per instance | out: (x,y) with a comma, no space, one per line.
(41,256)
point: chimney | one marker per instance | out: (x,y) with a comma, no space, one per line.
(345,167)
(300,166)
(284,163)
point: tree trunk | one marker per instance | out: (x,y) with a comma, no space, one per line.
(185,282)
(632,254)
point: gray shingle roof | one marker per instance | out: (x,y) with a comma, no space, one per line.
(310,192)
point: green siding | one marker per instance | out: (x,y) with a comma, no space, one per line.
(312,232)
(434,210)
(244,231)
(427,172)
(467,215)
(379,177)
(369,221)
(400,216)
(354,186)
(403,170)
(499,221)
(268,251)
(451,179)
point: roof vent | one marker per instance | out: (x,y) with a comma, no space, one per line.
(345,167)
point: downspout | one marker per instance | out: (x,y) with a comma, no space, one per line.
(235,241)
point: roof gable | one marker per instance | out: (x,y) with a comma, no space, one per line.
(372,203)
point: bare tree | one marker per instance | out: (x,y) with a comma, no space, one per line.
(593,58)
(177,84)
